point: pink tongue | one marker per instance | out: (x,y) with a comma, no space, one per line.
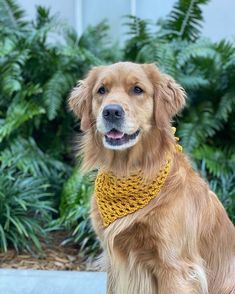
(115,135)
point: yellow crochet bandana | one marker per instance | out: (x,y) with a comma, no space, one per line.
(117,197)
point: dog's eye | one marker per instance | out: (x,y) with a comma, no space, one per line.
(137,90)
(101,90)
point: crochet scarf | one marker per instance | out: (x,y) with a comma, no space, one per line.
(117,197)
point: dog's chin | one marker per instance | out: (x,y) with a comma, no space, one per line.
(117,140)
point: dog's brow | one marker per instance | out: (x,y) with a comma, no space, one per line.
(133,80)
(106,81)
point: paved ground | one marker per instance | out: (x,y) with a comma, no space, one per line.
(51,282)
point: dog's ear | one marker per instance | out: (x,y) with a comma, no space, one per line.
(169,97)
(80,100)
(172,94)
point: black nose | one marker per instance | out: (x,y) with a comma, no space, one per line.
(113,112)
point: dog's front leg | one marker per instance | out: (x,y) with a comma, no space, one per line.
(110,282)
(181,281)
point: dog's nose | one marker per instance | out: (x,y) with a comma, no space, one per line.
(113,112)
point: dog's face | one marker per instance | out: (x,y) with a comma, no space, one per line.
(124,101)
(122,105)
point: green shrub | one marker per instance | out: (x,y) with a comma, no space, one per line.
(74,213)
(24,203)
(41,61)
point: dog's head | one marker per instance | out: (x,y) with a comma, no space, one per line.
(125,101)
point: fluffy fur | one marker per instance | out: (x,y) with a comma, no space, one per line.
(182,241)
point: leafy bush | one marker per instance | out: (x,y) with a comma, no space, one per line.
(41,61)
(74,211)
(24,202)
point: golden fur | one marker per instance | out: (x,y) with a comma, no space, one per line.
(182,241)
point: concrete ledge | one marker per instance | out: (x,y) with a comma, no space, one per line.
(51,282)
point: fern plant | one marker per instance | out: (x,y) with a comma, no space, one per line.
(37,74)
(184,21)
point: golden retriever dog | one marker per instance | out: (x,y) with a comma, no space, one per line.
(182,240)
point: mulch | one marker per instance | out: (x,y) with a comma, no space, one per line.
(53,257)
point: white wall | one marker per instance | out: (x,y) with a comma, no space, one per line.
(219,14)
(220,19)
(65,8)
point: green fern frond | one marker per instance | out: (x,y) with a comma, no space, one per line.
(139,35)
(7,45)
(137,27)
(11,15)
(201,126)
(43,17)
(226,105)
(90,57)
(185,20)
(18,113)
(97,35)
(203,48)
(11,71)
(55,91)
(76,191)
(226,49)
(160,52)
(193,81)
(216,160)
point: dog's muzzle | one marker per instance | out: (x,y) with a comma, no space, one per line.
(114,120)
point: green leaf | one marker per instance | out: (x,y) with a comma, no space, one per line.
(55,90)
(185,20)
(18,114)
(11,15)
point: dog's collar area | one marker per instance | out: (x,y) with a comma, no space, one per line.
(119,196)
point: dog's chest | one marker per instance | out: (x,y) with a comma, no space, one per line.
(136,240)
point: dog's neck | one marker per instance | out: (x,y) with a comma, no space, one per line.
(147,155)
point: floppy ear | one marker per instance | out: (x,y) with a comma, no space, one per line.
(169,97)
(80,99)
(80,103)
(171,94)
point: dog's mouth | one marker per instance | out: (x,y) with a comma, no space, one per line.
(118,138)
